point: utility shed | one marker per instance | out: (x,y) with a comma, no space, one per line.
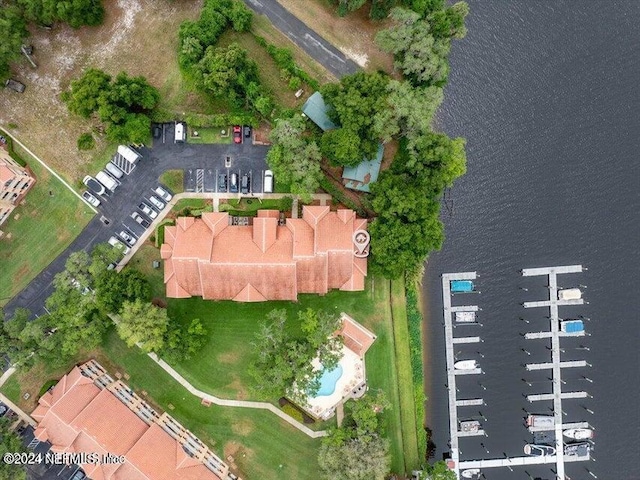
(316,110)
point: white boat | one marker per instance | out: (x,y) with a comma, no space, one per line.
(538,450)
(541,421)
(473,473)
(465,365)
(465,317)
(570,294)
(578,433)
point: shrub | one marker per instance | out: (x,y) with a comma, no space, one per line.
(295,83)
(86,142)
(293,412)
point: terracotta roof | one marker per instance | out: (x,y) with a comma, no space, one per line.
(356,337)
(78,416)
(265,261)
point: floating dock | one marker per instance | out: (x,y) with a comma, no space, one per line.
(556,299)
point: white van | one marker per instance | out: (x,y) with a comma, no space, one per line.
(180,133)
(267,186)
(107,180)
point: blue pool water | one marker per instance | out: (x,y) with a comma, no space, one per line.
(328,381)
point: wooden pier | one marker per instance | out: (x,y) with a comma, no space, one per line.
(555,365)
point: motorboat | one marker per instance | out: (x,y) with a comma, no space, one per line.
(541,421)
(578,433)
(465,317)
(538,450)
(465,365)
(575,327)
(472,473)
(570,294)
(470,426)
(577,449)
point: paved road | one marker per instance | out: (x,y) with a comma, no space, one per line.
(317,47)
(118,206)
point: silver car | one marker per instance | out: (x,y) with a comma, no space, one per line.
(148,211)
(156,203)
(90,198)
(163,194)
(130,239)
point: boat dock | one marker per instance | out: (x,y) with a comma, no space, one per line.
(557,297)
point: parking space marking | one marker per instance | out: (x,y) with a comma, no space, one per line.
(163,134)
(199,180)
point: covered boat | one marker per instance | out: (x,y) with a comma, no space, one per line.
(538,450)
(541,421)
(473,473)
(577,449)
(572,326)
(462,286)
(578,433)
(570,294)
(465,317)
(465,365)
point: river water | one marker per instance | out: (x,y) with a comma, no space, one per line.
(547,94)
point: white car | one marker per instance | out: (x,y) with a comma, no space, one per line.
(130,239)
(148,211)
(114,242)
(90,198)
(156,203)
(163,194)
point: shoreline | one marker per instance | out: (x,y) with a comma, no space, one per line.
(426,354)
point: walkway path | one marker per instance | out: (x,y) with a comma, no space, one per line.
(317,47)
(235,403)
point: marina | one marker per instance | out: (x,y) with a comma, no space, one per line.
(556,446)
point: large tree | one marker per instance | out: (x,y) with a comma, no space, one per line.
(420,56)
(113,289)
(74,12)
(294,159)
(143,323)
(13,30)
(354,104)
(10,442)
(182,343)
(84,94)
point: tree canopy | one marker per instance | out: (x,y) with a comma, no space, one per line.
(13,30)
(74,12)
(295,159)
(143,323)
(284,361)
(10,442)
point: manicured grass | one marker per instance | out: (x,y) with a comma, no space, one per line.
(405,381)
(192,203)
(174,180)
(207,135)
(11,389)
(49,220)
(250,207)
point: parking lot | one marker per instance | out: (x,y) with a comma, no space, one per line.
(44,471)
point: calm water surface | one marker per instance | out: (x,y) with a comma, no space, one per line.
(548,96)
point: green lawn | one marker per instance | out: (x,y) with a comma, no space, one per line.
(250,206)
(405,381)
(174,180)
(49,221)
(207,135)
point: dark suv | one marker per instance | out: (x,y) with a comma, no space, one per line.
(222,182)
(245,184)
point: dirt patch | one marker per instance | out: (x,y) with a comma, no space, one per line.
(353,35)
(229,357)
(243,427)
(137,36)
(239,388)
(23,271)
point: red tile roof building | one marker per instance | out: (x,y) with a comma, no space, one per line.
(207,257)
(90,413)
(15,182)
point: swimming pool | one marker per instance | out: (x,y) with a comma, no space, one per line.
(328,381)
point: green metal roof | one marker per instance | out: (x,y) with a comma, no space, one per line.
(363,174)
(316,110)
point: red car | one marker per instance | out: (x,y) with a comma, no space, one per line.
(237,134)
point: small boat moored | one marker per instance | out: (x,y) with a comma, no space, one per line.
(462,286)
(538,450)
(541,421)
(572,326)
(472,473)
(465,365)
(570,294)
(577,449)
(465,317)
(578,433)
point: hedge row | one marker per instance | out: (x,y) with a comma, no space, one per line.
(284,59)
(414,317)
(219,120)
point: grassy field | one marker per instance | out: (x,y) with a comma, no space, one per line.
(353,35)
(47,223)
(405,381)
(207,135)
(174,180)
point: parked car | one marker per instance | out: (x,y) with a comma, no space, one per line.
(148,211)
(93,185)
(157,131)
(115,243)
(90,198)
(245,185)
(128,238)
(79,475)
(267,186)
(3,409)
(140,219)
(114,171)
(107,180)
(237,134)
(156,203)
(222,182)
(163,194)
(247,131)
(233,184)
